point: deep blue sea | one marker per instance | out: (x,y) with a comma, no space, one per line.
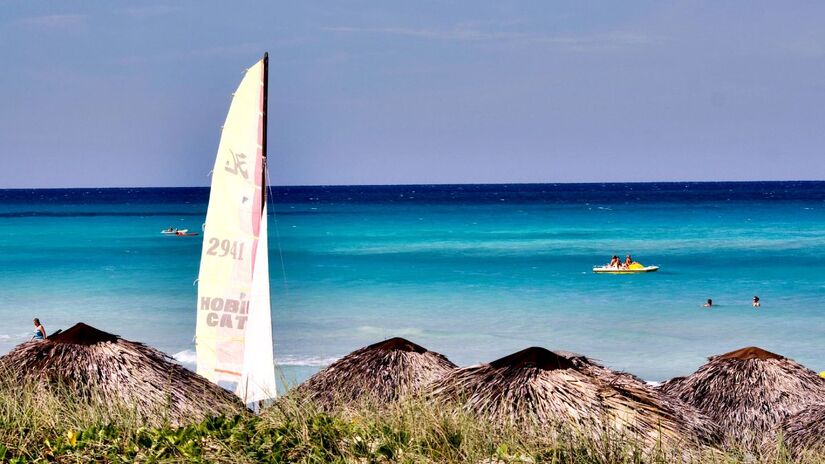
(472,271)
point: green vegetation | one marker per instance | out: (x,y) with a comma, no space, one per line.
(39,425)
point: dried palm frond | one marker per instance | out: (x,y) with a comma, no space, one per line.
(537,389)
(382,372)
(748,392)
(804,432)
(100,367)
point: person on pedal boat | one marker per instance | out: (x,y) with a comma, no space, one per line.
(627,261)
(615,262)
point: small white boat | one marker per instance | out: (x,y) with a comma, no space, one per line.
(174,231)
(634,268)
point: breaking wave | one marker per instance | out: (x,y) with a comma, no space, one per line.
(189,357)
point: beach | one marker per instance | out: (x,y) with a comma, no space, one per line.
(473,271)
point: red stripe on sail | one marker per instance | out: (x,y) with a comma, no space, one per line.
(257,203)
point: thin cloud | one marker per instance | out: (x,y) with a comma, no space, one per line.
(248,48)
(592,42)
(230,50)
(147,11)
(336,58)
(131,60)
(211,52)
(809,44)
(456,34)
(54,22)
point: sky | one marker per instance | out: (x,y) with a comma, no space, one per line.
(133,94)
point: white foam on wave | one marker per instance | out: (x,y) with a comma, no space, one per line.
(313,361)
(189,358)
(186,357)
(18,336)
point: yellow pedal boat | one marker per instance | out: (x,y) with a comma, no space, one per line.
(634,268)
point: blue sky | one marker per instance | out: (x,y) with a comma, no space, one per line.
(106,93)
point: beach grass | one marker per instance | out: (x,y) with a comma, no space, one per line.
(50,425)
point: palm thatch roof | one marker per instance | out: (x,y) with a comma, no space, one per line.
(101,367)
(382,372)
(748,392)
(536,389)
(804,432)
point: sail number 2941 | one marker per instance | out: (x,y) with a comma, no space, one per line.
(222,248)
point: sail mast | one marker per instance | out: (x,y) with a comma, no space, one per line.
(263,133)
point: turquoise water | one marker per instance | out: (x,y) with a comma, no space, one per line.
(474,272)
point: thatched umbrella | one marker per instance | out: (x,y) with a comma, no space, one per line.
(804,432)
(748,392)
(382,372)
(99,367)
(540,390)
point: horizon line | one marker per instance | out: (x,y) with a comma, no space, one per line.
(430,184)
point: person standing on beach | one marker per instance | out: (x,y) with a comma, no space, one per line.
(39,330)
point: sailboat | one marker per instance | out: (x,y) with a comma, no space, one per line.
(234,328)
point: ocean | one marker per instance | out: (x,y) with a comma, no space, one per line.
(474,272)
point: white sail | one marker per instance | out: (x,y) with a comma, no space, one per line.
(234,255)
(258,374)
